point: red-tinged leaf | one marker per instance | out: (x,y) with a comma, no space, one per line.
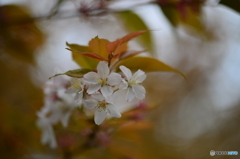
(131,36)
(93,55)
(113,46)
(131,54)
(90,54)
(122,48)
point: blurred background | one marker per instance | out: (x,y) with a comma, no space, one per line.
(199,38)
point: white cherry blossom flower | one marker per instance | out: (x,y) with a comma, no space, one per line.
(57,103)
(77,86)
(103,80)
(58,107)
(133,83)
(53,112)
(102,106)
(61,109)
(48,136)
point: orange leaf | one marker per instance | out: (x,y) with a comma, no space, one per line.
(81,60)
(99,46)
(90,54)
(121,49)
(113,46)
(131,36)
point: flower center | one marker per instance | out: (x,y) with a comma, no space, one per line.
(134,81)
(102,81)
(101,106)
(76,84)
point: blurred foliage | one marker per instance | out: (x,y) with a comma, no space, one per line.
(233,4)
(132,22)
(19,35)
(56,7)
(187,13)
(19,97)
(19,100)
(124,141)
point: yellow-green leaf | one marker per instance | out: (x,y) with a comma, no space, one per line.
(81,60)
(78,73)
(99,46)
(134,23)
(147,64)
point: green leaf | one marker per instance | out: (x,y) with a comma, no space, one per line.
(78,73)
(147,64)
(134,23)
(234,4)
(81,60)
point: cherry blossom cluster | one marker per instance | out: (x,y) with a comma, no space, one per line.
(96,91)
(58,108)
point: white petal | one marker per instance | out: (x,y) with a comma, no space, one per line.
(139,76)
(103,69)
(78,97)
(113,111)
(126,72)
(91,77)
(52,140)
(56,114)
(71,90)
(139,91)
(106,91)
(47,132)
(111,99)
(114,78)
(99,116)
(44,111)
(130,95)
(93,88)
(65,118)
(90,103)
(98,96)
(123,85)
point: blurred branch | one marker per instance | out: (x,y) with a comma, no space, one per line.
(85,10)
